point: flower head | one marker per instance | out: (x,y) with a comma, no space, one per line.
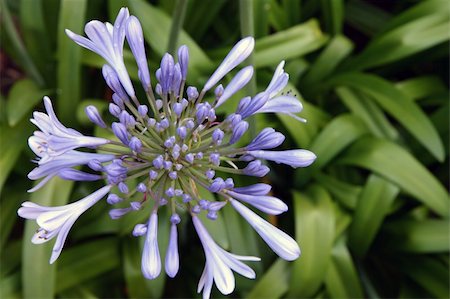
(170,147)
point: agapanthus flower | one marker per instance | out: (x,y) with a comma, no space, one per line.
(165,148)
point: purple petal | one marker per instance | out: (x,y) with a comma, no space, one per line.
(135,39)
(280,242)
(151,261)
(172,259)
(238,54)
(77,175)
(94,116)
(282,104)
(183,59)
(238,82)
(266,139)
(256,189)
(238,131)
(294,158)
(267,204)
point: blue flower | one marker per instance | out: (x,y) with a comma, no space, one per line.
(169,148)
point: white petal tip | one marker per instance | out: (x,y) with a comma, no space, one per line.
(69,32)
(54,257)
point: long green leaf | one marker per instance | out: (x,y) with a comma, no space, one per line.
(377,195)
(335,137)
(293,42)
(36,36)
(87,261)
(24,57)
(401,168)
(399,106)
(369,112)
(10,258)
(38,276)
(338,48)
(9,204)
(418,11)
(333,14)
(405,40)
(10,286)
(342,279)
(429,273)
(202,16)
(274,282)
(421,87)
(71,16)
(22,97)
(347,194)
(12,142)
(315,229)
(426,236)
(365,16)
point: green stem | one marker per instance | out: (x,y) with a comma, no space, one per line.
(248,29)
(177,22)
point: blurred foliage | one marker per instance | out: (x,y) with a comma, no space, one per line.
(371,215)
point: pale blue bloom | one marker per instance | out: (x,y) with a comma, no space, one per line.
(172,146)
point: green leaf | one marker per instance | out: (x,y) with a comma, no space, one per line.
(345,193)
(277,16)
(23,56)
(293,42)
(365,16)
(377,195)
(399,106)
(202,16)
(333,15)
(22,97)
(401,168)
(428,236)
(84,262)
(10,287)
(8,215)
(369,112)
(335,137)
(427,272)
(36,35)
(71,16)
(292,9)
(261,17)
(342,279)
(38,276)
(420,10)
(343,220)
(10,257)
(314,231)
(337,49)
(274,282)
(12,142)
(404,40)
(421,87)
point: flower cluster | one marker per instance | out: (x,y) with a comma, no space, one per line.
(164,151)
